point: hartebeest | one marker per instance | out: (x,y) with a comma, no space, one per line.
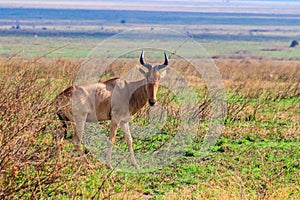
(116,100)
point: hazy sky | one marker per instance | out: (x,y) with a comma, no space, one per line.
(250,6)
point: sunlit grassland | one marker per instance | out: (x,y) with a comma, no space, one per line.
(239,44)
(257,155)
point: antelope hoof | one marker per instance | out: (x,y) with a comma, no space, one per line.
(135,165)
(108,166)
(85,160)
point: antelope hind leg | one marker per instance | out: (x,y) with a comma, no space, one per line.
(61,132)
(111,141)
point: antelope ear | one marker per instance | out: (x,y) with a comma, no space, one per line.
(163,73)
(142,71)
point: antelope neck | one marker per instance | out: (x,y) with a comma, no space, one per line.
(138,95)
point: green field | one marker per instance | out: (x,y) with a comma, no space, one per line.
(81,47)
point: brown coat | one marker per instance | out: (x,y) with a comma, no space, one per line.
(115,99)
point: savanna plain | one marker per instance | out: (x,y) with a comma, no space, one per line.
(256,157)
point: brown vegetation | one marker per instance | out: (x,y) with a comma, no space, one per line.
(27,123)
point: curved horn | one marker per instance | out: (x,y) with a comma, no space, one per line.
(148,66)
(159,67)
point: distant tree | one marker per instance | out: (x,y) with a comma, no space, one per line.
(123,21)
(18,25)
(294,43)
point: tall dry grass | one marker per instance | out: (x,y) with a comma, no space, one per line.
(27,124)
(27,121)
(257,91)
(273,79)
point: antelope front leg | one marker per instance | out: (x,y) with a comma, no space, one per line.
(125,128)
(111,141)
(77,138)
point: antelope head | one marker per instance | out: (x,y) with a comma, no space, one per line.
(152,76)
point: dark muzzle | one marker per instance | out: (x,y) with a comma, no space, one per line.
(152,102)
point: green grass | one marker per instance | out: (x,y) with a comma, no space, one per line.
(267,49)
(81,47)
(259,165)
